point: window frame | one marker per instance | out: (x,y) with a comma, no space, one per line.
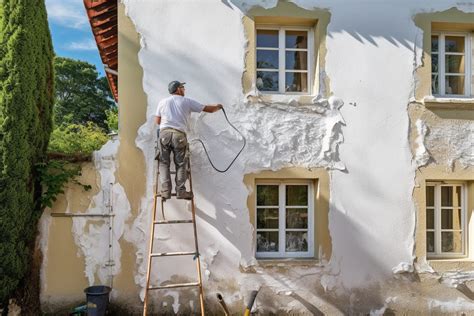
(468,55)
(438,253)
(282,220)
(282,58)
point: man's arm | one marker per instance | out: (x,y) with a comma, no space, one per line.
(211,108)
(158,119)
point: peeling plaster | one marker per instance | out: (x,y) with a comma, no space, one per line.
(286,133)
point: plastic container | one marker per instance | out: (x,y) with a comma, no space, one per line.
(97,299)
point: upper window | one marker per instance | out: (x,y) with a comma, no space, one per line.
(284,60)
(445,220)
(284,218)
(451,59)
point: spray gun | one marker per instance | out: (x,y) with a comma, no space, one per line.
(253,296)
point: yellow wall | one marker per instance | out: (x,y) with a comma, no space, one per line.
(64,268)
(132,114)
(320,179)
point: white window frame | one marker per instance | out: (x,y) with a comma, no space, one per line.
(438,253)
(282,220)
(282,58)
(468,55)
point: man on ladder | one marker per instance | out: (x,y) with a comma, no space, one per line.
(172,115)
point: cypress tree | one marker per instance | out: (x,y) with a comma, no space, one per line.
(26,99)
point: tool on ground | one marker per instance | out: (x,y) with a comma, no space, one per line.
(253,295)
(152,254)
(236,156)
(248,308)
(223,304)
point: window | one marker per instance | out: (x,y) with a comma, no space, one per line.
(445,220)
(284,60)
(451,59)
(284,220)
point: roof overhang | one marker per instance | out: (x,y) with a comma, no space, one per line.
(102,16)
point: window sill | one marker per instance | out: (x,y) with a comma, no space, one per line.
(285,262)
(448,264)
(273,98)
(432,102)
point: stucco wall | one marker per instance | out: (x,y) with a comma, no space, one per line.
(361,145)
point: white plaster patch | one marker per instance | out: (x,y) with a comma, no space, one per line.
(453,306)
(403,267)
(371,206)
(421,153)
(44,226)
(93,236)
(455,278)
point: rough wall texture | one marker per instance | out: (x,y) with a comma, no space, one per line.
(361,135)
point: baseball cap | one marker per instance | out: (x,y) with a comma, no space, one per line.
(173,85)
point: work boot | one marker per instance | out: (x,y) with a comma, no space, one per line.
(166,195)
(184,195)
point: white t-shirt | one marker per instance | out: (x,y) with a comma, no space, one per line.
(175,111)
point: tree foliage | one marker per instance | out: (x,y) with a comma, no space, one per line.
(26,100)
(77,139)
(81,93)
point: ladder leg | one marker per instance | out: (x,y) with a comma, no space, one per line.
(198,258)
(152,234)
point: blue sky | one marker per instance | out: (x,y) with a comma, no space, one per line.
(71,31)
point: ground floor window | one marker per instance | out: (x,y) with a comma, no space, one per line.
(284,219)
(445,219)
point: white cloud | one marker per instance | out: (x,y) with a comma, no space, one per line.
(69,13)
(87,44)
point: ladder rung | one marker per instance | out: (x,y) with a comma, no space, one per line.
(159,194)
(170,286)
(182,221)
(169,254)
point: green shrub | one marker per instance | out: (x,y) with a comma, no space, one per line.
(112,119)
(77,139)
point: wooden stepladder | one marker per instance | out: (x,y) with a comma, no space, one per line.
(194,253)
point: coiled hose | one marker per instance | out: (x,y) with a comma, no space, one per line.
(235,158)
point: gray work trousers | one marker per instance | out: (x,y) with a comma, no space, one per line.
(175,141)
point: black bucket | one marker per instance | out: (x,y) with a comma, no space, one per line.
(97,299)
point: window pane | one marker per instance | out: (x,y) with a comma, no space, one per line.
(435,84)
(430,196)
(451,219)
(267,81)
(446,196)
(454,84)
(267,241)
(454,64)
(296,39)
(267,218)
(429,219)
(458,196)
(296,241)
(296,60)
(434,64)
(296,218)
(267,59)
(454,44)
(267,38)
(451,242)
(296,82)
(430,242)
(297,195)
(434,43)
(267,195)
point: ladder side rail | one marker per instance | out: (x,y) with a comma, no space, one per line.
(198,256)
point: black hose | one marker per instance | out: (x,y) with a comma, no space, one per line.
(235,158)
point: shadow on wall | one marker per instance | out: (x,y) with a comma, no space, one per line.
(359,13)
